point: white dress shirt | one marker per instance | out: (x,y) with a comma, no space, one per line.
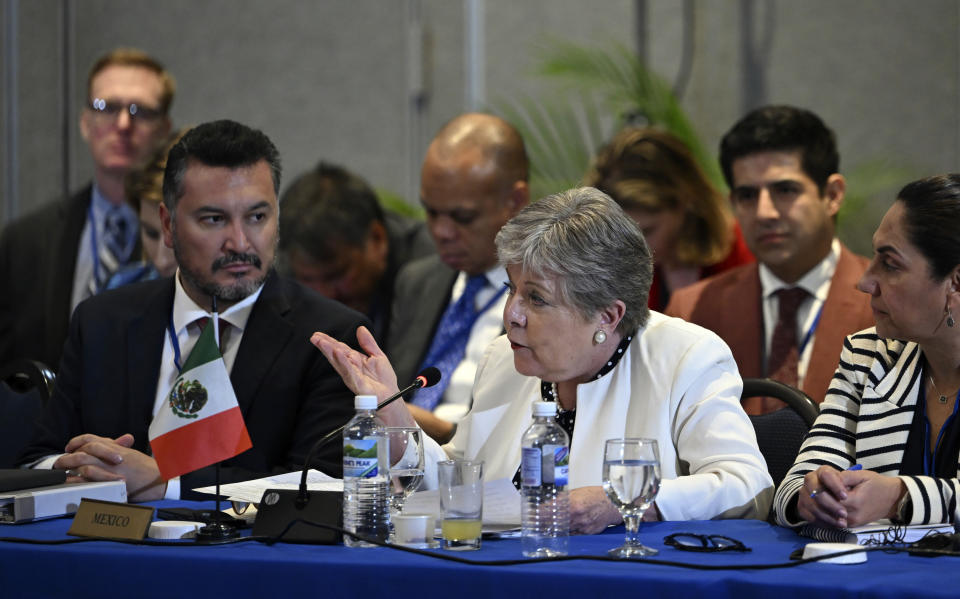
(489,325)
(83,269)
(817,284)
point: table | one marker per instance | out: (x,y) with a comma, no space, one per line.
(104,568)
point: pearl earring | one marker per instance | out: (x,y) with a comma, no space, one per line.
(599,337)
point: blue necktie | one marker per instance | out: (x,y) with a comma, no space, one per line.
(450,341)
(115,251)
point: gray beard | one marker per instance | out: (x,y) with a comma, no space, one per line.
(230,293)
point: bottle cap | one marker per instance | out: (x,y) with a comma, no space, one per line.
(544,408)
(365,402)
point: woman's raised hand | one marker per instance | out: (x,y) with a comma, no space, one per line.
(367,373)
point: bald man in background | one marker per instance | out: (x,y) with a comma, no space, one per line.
(449,307)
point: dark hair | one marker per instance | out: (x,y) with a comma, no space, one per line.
(326,209)
(778,129)
(131,57)
(218,143)
(652,170)
(932,215)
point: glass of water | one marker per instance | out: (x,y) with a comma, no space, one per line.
(631,479)
(406,463)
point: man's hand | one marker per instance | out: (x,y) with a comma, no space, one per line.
(591,511)
(93,458)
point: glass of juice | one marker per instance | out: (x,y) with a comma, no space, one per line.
(461,503)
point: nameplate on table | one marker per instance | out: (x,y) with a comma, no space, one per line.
(110,520)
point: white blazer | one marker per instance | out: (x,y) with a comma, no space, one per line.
(677,383)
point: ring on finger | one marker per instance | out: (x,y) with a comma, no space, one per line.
(814,493)
(75,472)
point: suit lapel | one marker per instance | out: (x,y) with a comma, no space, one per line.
(840,311)
(743,331)
(882,407)
(265,336)
(744,322)
(63,259)
(145,340)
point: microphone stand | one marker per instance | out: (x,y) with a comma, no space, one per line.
(218,530)
(280,509)
(303,495)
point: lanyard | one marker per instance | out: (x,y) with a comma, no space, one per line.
(929,465)
(473,319)
(811,330)
(175,344)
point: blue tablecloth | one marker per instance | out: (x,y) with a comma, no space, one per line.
(103,568)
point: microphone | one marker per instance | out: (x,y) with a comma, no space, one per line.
(428,377)
(280,508)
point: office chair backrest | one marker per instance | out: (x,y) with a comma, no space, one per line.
(25,386)
(780,433)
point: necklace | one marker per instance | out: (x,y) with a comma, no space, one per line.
(942,398)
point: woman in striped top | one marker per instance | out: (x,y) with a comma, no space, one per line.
(887,441)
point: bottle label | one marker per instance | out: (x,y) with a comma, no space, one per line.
(360,458)
(530,459)
(556,464)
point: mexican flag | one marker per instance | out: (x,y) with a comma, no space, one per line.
(200,423)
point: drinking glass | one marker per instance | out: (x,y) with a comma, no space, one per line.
(406,463)
(461,503)
(631,479)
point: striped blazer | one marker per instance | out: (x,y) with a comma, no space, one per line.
(865,419)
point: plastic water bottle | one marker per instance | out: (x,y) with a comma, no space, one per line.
(545,513)
(366,476)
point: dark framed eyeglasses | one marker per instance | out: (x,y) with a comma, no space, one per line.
(108,110)
(686,541)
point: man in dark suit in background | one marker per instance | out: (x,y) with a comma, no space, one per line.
(339,241)
(126,346)
(449,307)
(784,317)
(58,255)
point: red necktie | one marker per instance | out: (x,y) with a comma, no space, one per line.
(784,349)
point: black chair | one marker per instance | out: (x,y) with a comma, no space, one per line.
(780,433)
(25,386)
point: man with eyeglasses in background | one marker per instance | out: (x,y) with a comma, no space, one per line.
(64,252)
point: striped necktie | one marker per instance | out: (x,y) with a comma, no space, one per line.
(115,250)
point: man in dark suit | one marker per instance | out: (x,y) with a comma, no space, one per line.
(473,180)
(786,316)
(338,240)
(60,254)
(126,346)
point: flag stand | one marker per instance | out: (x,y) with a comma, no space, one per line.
(217,530)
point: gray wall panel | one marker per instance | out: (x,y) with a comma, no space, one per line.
(331,79)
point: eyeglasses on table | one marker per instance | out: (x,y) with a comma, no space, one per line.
(687,541)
